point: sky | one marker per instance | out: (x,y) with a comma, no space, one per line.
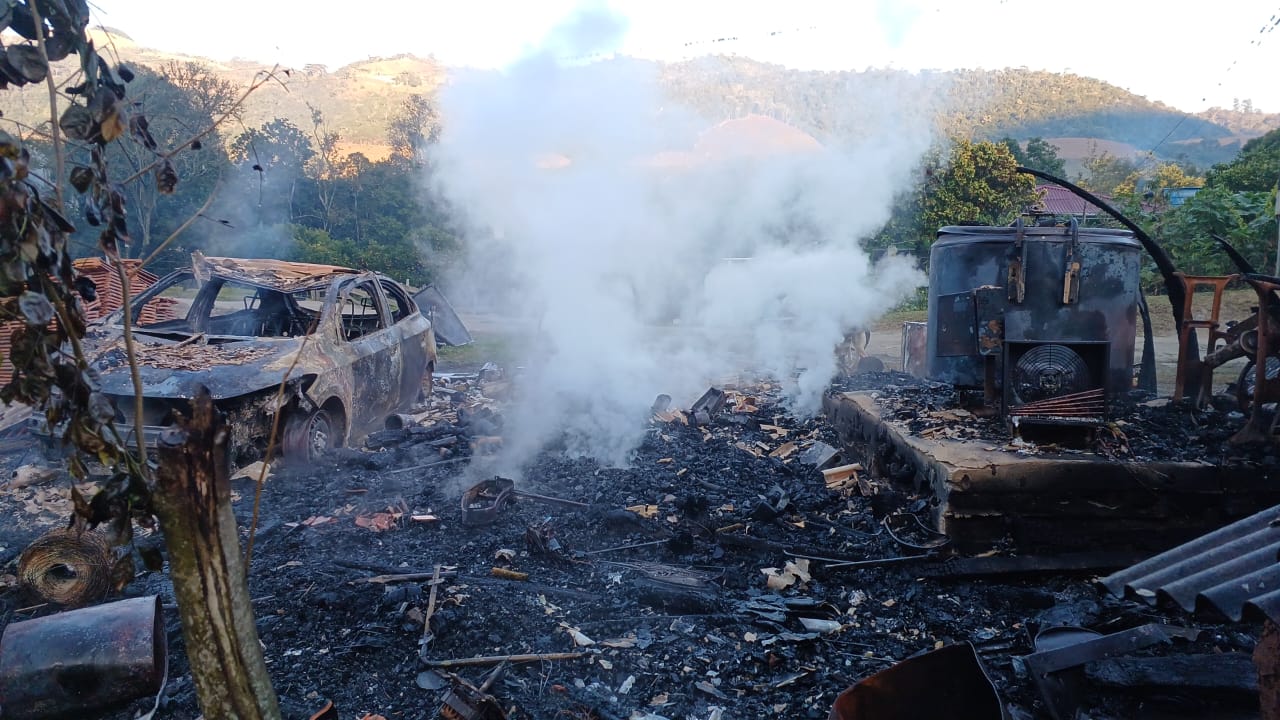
(1190,56)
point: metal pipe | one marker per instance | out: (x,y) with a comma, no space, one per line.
(81,660)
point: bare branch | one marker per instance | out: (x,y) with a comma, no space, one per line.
(58,160)
(131,352)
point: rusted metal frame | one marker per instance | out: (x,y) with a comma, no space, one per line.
(1253,431)
(1186,364)
(1087,404)
(283,275)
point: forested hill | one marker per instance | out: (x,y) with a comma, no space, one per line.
(980,104)
(1076,112)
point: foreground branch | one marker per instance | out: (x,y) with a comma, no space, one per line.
(59,162)
(131,352)
(235,107)
(192,499)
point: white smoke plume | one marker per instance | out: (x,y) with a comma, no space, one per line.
(654,254)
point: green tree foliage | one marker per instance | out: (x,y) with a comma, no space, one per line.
(307,203)
(1150,187)
(1256,168)
(1236,203)
(978,184)
(1039,154)
(1245,219)
(975,183)
(272,160)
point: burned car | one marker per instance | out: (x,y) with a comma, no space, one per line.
(350,347)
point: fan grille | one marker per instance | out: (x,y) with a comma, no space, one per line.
(1048,371)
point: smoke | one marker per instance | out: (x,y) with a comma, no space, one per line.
(655,253)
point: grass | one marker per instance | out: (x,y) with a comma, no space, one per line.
(893,319)
(467,358)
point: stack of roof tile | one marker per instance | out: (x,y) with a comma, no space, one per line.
(110,298)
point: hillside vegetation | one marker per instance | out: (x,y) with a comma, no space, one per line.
(978,104)
(359,100)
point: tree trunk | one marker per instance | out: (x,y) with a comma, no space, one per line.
(192,499)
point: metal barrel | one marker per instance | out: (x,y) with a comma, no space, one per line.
(81,660)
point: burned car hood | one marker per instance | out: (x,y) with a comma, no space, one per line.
(228,367)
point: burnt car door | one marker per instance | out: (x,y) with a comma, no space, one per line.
(411,327)
(376,358)
(445,323)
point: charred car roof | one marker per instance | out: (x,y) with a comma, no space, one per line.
(282,275)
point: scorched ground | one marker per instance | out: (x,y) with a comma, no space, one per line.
(702,581)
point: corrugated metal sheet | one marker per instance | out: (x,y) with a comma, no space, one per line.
(1234,570)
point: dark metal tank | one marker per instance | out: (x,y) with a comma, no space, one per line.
(1100,310)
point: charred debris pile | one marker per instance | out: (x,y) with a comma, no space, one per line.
(741,566)
(1140,427)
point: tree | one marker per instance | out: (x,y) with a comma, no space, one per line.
(415,126)
(1164,176)
(173,113)
(325,167)
(978,184)
(274,157)
(975,183)
(1256,168)
(1038,154)
(215,96)
(1104,172)
(1245,219)
(38,285)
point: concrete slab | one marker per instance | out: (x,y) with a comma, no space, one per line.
(1046,503)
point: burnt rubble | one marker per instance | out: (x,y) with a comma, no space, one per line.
(736,568)
(1141,427)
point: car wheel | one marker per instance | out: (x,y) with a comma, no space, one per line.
(308,435)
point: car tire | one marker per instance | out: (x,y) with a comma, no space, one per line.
(307,435)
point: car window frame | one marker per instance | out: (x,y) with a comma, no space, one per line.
(342,289)
(391,288)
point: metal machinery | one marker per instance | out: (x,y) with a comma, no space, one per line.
(1043,319)
(1255,337)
